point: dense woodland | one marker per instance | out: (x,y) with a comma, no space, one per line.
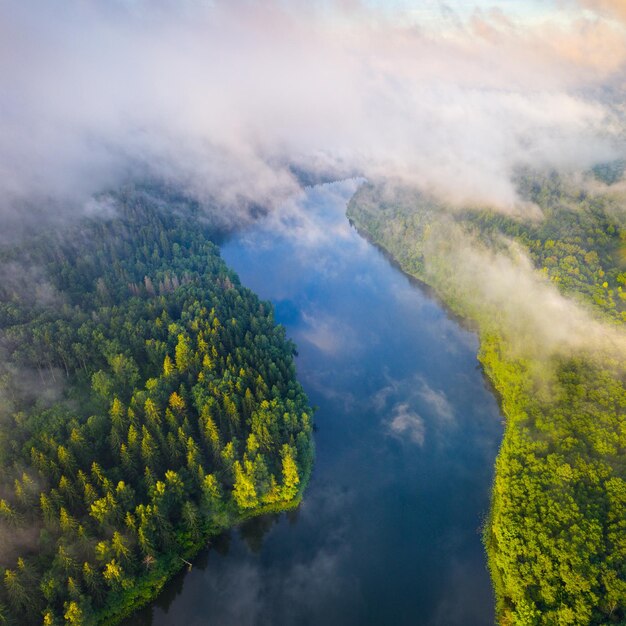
(556,533)
(148,402)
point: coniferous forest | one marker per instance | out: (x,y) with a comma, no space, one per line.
(471,459)
(149,401)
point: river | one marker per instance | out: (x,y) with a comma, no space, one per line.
(388,533)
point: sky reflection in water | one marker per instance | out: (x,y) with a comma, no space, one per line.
(388,533)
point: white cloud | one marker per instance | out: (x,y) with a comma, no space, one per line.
(223,97)
(504,288)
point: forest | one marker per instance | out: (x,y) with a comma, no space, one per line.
(556,532)
(148,401)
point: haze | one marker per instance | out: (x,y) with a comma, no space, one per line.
(226,99)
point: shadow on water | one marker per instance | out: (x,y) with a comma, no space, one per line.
(407,433)
(254,530)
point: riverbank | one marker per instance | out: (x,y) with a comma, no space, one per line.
(180,416)
(486,362)
(148,588)
(556,505)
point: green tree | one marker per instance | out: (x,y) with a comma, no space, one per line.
(291,477)
(244,491)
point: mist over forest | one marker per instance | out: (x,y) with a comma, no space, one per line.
(229,100)
(150,401)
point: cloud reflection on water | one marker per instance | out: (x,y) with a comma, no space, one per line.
(383,525)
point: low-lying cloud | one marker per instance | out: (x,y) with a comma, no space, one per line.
(226,98)
(504,288)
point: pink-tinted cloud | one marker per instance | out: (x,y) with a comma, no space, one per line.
(223,98)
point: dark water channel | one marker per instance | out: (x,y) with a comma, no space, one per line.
(389,530)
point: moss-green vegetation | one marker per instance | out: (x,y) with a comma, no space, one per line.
(556,534)
(148,402)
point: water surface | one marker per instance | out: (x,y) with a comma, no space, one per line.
(389,530)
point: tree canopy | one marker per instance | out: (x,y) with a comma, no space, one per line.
(149,401)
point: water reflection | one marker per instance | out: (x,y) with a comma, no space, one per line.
(407,433)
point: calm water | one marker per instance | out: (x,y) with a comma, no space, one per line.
(389,530)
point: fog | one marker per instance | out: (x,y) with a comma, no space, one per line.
(227,99)
(239,103)
(504,290)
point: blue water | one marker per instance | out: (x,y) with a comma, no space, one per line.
(389,529)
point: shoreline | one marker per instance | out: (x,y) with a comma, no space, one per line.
(150,587)
(490,383)
(464,322)
(559,452)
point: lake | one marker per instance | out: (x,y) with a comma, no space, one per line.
(407,433)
